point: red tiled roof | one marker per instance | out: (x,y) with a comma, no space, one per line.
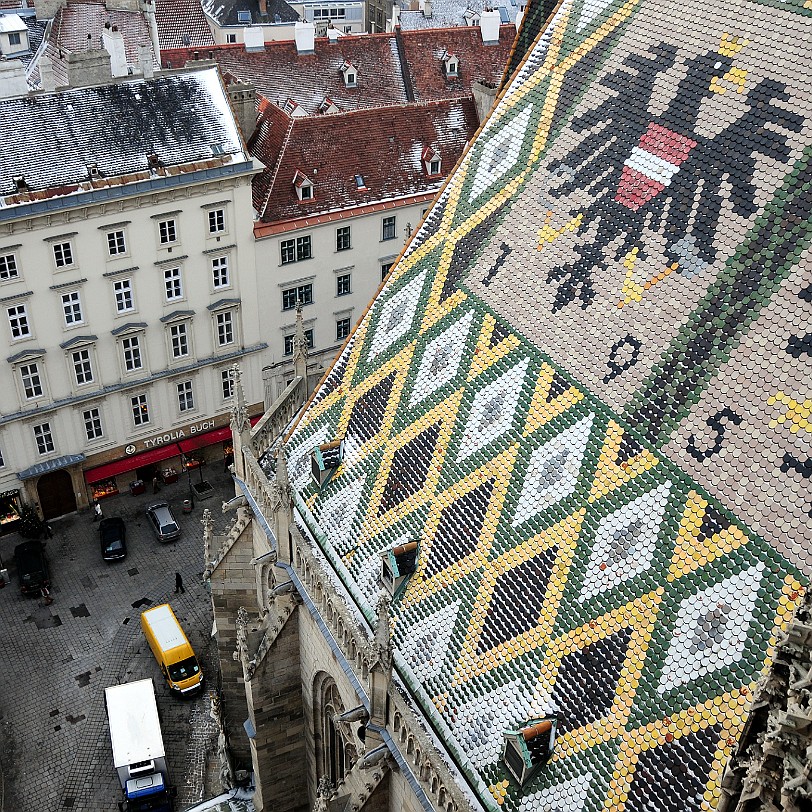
(178,17)
(425,49)
(280,73)
(75,21)
(383,145)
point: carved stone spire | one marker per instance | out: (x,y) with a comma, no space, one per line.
(239,409)
(300,345)
(241,653)
(208,532)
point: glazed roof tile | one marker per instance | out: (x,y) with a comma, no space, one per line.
(51,139)
(425,50)
(384,145)
(182,23)
(585,391)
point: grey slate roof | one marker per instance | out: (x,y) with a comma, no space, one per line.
(51,139)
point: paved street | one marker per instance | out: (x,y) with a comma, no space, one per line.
(55,661)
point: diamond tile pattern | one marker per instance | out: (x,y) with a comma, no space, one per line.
(599,411)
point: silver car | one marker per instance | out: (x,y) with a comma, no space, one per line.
(163,522)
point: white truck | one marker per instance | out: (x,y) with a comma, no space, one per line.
(138,747)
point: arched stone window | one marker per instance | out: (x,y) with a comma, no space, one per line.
(334,754)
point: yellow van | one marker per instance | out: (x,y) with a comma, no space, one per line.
(172,649)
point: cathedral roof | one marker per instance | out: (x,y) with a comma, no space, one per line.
(584,391)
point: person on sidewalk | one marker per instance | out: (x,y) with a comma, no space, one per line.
(155,484)
(178,583)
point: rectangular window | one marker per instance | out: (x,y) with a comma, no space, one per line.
(388,230)
(18,321)
(32,383)
(289,342)
(172,284)
(186,398)
(2,460)
(342,329)
(227,382)
(301,293)
(343,285)
(93,424)
(115,243)
(217,221)
(63,254)
(231,38)
(219,272)
(44,438)
(225,328)
(72,308)
(123,291)
(295,250)
(343,238)
(8,267)
(167,232)
(14,38)
(140,410)
(385,268)
(179,338)
(131,347)
(82,368)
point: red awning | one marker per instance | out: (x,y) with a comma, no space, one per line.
(131,463)
(204,439)
(210,437)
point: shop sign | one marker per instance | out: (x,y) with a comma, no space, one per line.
(178,434)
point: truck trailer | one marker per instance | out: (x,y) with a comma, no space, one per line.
(138,748)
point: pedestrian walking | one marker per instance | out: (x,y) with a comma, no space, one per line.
(97,512)
(178,583)
(155,484)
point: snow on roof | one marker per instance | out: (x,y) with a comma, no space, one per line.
(388,155)
(11,23)
(51,139)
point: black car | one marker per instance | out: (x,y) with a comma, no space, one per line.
(32,567)
(112,535)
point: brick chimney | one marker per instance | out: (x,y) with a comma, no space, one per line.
(12,79)
(305,35)
(90,67)
(243,98)
(489,24)
(263,8)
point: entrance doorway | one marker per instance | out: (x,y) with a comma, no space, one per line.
(55,493)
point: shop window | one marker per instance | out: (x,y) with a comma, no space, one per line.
(9,508)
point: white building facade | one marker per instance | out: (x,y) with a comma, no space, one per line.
(125,297)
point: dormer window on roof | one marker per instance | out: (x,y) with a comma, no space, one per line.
(431,161)
(360,183)
(243,16)
(293,108)
(398,563)
(328,106)
(350,74)
(451,65)
(303,186)
(324,461)
(530,748)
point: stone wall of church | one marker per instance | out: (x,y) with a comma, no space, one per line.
(233,586)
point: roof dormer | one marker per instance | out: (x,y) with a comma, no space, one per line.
(303,185)
(328,106)
(528,749)
(432,163)
(451,65)
(350,74)
(293,108)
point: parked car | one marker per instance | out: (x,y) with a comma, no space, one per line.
(113,538)
(163,522)
(32,567)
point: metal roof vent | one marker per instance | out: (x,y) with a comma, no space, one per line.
(397,564)
(530,748)
(325,460)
